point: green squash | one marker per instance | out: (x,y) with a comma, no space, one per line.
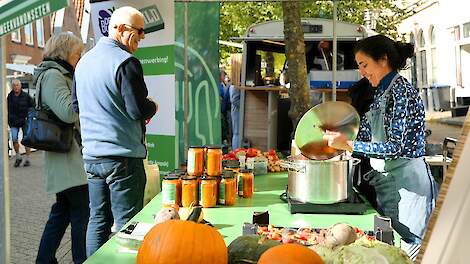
(248,249)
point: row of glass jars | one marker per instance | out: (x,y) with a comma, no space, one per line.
(208,157)
(207,191)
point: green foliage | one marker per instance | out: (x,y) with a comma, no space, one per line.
(236,17)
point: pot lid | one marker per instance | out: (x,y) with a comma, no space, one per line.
(334,116)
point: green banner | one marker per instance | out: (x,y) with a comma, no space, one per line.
(203,59)
(158,147)
(157,60)
(17,13)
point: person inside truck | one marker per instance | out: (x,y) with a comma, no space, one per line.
(324,58)
(392,135)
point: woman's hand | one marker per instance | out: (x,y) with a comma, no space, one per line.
(338,140)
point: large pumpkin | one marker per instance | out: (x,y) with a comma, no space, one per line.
(248,249)
(178,241)
(290,254)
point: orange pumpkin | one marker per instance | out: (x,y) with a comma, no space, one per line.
(178,241)
(290,254)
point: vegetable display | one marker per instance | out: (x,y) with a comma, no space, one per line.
(271,155)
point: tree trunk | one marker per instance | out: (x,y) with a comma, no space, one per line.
(297,69)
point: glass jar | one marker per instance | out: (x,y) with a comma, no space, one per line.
(246,183)
(214,161)
(171,190)
(227,189)
(195,161)
(189,191)
(234,168)
(208,192)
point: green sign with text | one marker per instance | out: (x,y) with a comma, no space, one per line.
(17,13)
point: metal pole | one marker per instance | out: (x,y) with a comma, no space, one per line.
(4,177)
(335,49)
(186,83)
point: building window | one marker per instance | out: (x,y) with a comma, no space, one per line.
(458,66)
(432,37)
(413,68)
(40,32)
(466,30)
(421,61)
(16,36)
(28,34)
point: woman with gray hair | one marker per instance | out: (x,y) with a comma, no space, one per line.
(65,175)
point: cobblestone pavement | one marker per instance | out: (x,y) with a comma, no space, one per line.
(29,209)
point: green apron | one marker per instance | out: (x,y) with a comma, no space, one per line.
(406,190)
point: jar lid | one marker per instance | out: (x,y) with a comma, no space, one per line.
(232,166)
(205,177)
(213,146)
(228,174)
(171,176)
(196,146)
(188,178)
(246,171)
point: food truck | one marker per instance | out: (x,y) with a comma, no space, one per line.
(264,86)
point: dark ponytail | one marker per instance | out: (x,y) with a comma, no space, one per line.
(379,46)
(405,51)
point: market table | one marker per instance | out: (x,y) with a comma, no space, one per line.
(229,220)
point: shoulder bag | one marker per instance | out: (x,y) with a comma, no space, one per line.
(45,131)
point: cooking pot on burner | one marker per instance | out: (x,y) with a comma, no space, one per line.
(320,181)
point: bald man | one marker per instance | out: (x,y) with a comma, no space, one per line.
(111,99)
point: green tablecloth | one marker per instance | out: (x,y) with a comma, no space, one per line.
(229,220)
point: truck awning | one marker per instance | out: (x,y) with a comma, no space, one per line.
(26,68)
(17,13)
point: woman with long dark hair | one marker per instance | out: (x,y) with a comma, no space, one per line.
(392,136)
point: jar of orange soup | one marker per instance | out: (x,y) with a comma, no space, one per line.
(208,192)
(195,161)
(246,183)
(189,191)
(214,160)
(171,190)
(227,189)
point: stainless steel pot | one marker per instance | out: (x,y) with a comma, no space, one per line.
(320,181)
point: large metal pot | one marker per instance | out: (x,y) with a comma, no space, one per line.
(320,181)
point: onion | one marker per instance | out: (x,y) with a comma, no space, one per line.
(339,235)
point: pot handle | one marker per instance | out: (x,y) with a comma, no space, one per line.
(356,161)
(290,165)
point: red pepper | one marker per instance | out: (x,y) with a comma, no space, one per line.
(251,152)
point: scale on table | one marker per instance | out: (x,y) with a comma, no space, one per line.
(319,176)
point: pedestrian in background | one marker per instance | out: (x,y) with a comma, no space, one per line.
(65,176)
(18,104)
(111,97)
(235,115)
(225,107)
